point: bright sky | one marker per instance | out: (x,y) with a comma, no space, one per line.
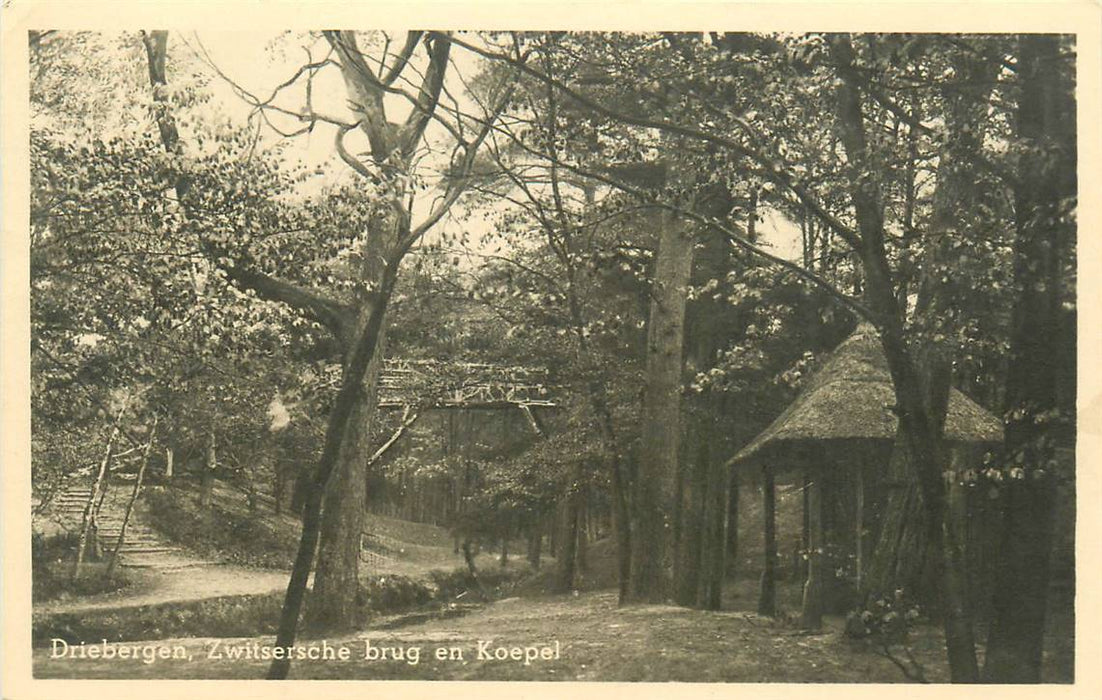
(258,62)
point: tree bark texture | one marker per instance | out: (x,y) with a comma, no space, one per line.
(652,548)
(336,581)
(1041,372)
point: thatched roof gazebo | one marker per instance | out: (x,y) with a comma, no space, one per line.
(851,398)
(845,408)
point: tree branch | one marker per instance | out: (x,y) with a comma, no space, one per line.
(402,58)
(429,95)
(773,170)
(338,318)
(407,422)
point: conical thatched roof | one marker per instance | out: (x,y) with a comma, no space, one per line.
(851,398)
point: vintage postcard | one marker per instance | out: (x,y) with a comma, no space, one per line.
(609,345)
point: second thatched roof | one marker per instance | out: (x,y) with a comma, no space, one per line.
(851,398)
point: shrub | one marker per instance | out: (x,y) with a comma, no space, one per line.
(229,616)
(51,561)
(53,580)
(392,593)
(458,583)
(240,538)
(885,625)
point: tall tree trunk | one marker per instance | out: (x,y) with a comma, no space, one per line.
(568,545)
(332,605)
(344,407)
(921,384)
(690,549)
(1040,375)
(652,547)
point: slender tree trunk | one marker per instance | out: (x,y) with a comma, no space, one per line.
(206,482)
(362,354)
(133,499)
(88,516)
(921,389)
(535,542)
(568,547)
(583,531)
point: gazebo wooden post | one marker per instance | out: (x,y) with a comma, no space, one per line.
(859,545)
(767,602)
(812,614)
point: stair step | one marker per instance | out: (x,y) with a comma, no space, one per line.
(149,550)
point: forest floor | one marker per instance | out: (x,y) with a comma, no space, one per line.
(587,637)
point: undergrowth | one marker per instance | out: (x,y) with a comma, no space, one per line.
(254,615)
(241,538)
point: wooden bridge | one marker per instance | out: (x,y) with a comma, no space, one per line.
(441,384)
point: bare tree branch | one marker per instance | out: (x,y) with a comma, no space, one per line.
(772,169)
(429,95)
(401,59)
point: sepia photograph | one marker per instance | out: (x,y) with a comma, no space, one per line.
(718,356)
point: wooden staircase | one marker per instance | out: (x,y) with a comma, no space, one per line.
(141,547)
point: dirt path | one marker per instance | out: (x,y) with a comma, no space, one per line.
(164,586)
(153,586)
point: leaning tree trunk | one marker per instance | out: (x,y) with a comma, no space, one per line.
(363,353)
(921,386)
(113,561)
(652,529)
(88,516)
